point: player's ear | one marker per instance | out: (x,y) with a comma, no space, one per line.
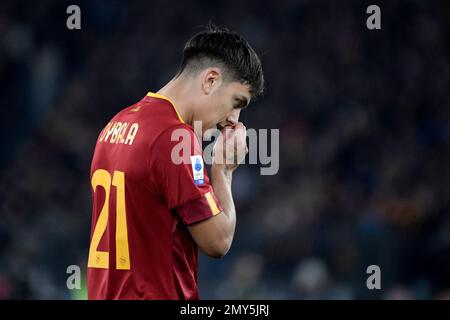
(211,80)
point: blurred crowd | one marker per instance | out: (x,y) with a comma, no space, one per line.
(364,119)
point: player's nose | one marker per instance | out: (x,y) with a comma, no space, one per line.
(234,116)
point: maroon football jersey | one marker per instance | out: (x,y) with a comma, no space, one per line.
(145,190)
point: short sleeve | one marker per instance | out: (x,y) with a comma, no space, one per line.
(178,175)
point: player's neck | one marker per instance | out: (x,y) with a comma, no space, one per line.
(178,92)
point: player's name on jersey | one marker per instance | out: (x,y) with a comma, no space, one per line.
(119,132)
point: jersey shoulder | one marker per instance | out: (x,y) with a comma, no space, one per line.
(148,118)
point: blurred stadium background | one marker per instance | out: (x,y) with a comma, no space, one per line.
(364,119)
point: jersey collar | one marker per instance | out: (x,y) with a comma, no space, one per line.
(160,96)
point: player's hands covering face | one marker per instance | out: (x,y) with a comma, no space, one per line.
(231,146)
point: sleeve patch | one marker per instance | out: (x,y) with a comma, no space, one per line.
(197,169)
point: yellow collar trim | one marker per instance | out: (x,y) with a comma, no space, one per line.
(160,96)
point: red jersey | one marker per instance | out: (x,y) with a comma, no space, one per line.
(142,200)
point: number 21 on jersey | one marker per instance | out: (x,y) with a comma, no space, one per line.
(100,259)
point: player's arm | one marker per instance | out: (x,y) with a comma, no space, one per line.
(215,235)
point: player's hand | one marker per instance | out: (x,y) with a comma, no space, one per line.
(231,147)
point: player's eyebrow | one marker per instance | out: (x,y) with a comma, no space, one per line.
(243,101)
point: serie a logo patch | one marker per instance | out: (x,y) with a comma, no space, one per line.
(197,169)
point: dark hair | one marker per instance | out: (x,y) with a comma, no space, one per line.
(227,49)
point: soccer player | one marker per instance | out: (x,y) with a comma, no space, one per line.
(150,212)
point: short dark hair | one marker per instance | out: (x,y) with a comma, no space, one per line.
(218,46)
